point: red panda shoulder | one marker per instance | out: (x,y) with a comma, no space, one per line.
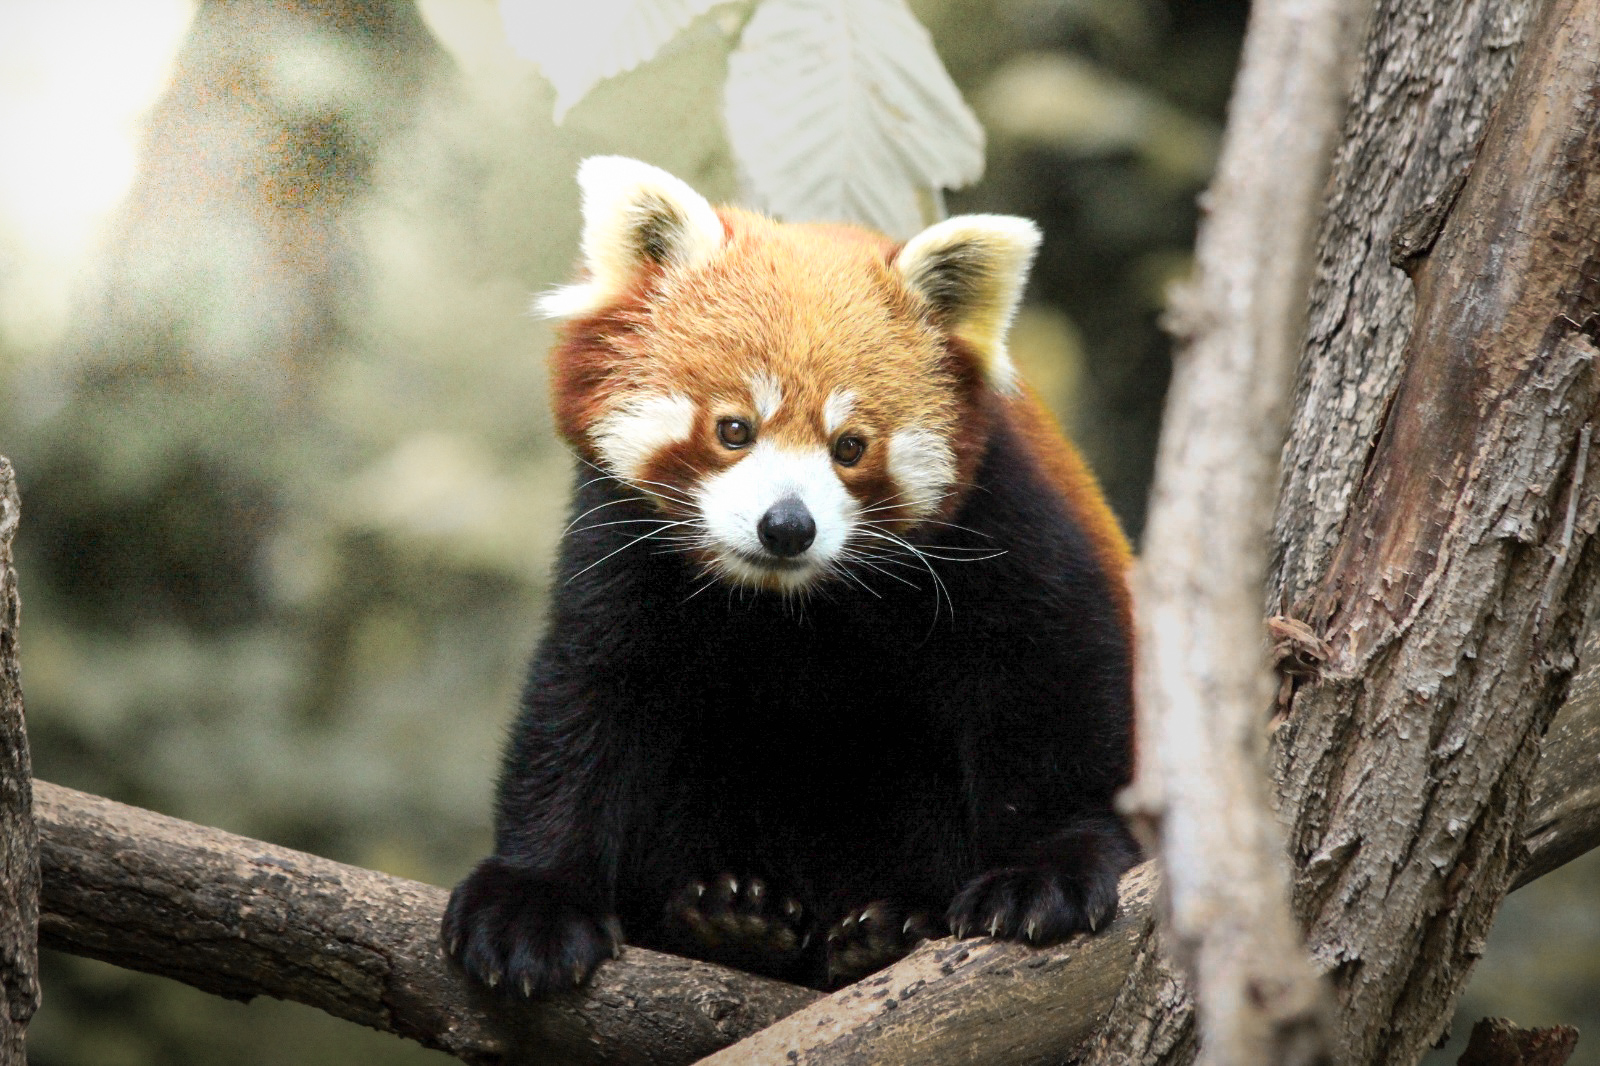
(1069,475)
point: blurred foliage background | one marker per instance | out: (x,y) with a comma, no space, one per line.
(290,488)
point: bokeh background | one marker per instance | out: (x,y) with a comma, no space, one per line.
(290,488)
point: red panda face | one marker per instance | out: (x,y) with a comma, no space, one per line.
(797,397)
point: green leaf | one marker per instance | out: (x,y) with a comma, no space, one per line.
(841,110)
(579,44)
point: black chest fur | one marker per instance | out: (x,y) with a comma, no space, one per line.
(889,740)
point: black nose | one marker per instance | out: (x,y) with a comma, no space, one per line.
(787,529)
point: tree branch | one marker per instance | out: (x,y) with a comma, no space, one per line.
(1563,819)
(241,918)
(1201,788)
(1496,1042)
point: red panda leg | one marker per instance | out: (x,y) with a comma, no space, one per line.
(540,913)
(520,934)
(1068,885)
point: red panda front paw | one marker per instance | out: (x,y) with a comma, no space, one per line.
(1037,905)
(522,935)
(740,921)
(872,937)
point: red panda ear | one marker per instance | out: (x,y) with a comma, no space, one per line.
(971,270)
(635,217)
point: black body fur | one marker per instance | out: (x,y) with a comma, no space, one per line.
(849,750)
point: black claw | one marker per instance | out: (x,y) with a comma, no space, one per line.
(1039,905)
(874,936)
(733,919)
(515,932)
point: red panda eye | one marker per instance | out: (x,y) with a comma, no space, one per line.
(847,451)
(734,432)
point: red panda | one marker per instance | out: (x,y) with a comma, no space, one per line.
(839,650)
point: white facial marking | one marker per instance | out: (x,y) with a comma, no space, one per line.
(837,409)
(767,394)
(628,436)
(923,468)
(733,502)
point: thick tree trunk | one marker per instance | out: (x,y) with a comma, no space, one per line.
(1453,603)
(1431,73)
(1436,519)
(19,840)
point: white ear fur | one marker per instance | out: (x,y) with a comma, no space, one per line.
(971,270)
(633,214)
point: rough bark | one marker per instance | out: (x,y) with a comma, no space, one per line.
(1201,782)
(19,839)
(1451,605)
(1563,819)
(1426,546)
(240,918)
(1432,70)
(1496,1042)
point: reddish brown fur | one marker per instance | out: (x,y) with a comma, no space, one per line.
(818,307)
(960,769)
(1066,469)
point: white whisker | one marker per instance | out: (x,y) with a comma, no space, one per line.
(626,546)
(668,492)
(885,504)
(843,571)
(592,510)
(926,562)
(621,522)
(871,561)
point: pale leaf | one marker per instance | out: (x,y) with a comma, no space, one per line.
(841,110)
(577,44)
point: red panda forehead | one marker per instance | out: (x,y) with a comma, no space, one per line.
(814,311)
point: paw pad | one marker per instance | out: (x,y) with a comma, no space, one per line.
(872,937)
(731,917)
